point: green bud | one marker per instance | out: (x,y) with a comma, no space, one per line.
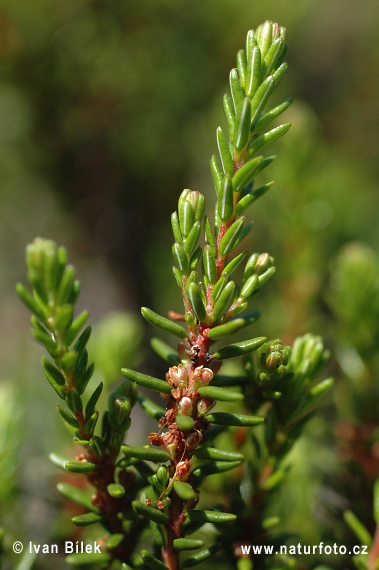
(121,408)
(163,476)
(186,218)
(264,36)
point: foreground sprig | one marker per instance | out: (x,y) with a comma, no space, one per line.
(215,305)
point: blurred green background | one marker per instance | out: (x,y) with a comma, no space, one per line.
(107,111)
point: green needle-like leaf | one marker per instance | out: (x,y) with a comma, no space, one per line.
(239,348)
(196,301)
(211,516)
(147,381)
(225,155)
(214,467)
(152,562)
(87,519)
(77,496)
(263,140)
(217,454)
(229,239)
(187,544)
(150,513)
(225,419)
(146,453)
(216,393)
(185,491)
(225,202)
(246,173)
(163,323)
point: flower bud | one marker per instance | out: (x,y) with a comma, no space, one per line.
(197,202)
(202,376)
(263,263)
(185,406)
(121,409)
(178,376)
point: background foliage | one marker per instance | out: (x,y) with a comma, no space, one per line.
(107,111)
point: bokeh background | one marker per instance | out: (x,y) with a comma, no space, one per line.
(107,111)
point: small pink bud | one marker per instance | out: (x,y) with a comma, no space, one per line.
(185,406)
(202,377)
(178,375)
